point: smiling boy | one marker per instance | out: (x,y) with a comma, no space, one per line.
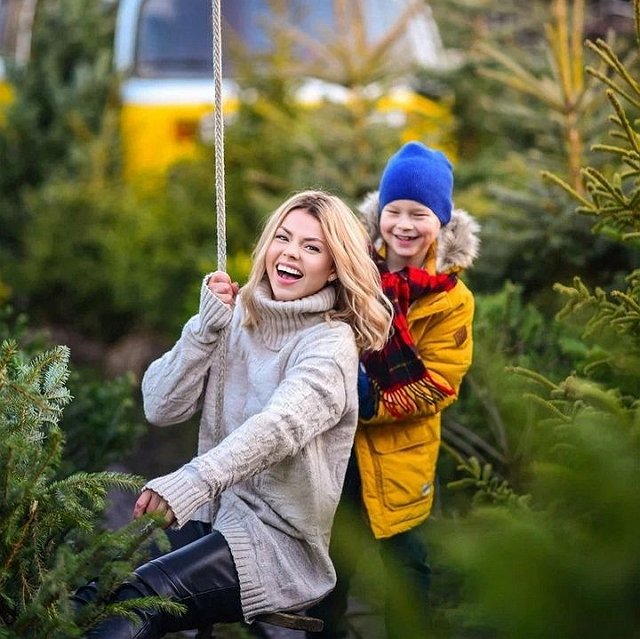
(421,244)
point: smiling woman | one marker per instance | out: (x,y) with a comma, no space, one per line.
(251,514)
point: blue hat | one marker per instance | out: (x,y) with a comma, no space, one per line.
(419,173)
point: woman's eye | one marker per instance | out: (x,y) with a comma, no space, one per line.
(281,237)
(313,248)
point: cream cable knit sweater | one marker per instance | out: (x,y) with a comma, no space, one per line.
(288,421)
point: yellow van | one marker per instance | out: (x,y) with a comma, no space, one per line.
(163,50)
(163,53)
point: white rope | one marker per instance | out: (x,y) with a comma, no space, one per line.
(219,135)
(221,234)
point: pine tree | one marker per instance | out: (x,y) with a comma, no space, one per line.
(62,120)
(563,562)
(50,540)
(530,105)
(547,105)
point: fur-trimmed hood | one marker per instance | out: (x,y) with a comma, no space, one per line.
(458,242)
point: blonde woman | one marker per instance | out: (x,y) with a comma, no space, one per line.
(251,514)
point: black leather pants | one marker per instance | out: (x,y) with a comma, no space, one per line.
(200,575)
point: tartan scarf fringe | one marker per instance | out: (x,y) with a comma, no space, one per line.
(404,400)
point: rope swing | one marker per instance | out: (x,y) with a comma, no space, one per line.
(218,129)
(221,233)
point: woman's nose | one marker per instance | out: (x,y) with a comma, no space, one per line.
(290,251)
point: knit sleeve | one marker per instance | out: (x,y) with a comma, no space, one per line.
(173,385)
(318,391)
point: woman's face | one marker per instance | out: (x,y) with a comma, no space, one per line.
(298,261)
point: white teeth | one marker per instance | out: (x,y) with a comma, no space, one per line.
(288,269)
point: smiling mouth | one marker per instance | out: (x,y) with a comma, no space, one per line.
(288,273)
(405,238)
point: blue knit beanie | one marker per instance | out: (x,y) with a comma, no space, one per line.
(419,173)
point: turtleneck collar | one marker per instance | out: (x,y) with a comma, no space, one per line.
(279,320)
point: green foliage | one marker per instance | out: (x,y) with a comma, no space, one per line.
(120,260)
(101,425)
(572,542)
(49,543)
(490,422)
(611,324)
(485,484)
(613,201)
(60,96)
(533,106)
(573,550)
(61,119)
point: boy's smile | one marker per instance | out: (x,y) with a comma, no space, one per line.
(408,228)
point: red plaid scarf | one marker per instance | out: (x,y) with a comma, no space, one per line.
(397,374)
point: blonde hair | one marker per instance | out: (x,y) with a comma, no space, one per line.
(359,298)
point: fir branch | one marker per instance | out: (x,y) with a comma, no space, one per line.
(547,175)
(549,406)
(57,372)
(607,148)
(604,51)
(5,475)
(100,482)
(487,484)
(17,545)
(128,609)
(614,87)
(593,395)
(532,375)
(605,187)
(624,122)
(520,80)
(8,356)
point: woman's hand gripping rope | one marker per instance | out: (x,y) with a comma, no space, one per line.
(220,284)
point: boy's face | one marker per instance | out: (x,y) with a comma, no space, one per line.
(408,228)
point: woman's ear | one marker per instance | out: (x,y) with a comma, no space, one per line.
(333,277)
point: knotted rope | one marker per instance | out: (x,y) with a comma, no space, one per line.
(221,235)
(219,136)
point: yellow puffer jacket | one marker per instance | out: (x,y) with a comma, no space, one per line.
(397,457)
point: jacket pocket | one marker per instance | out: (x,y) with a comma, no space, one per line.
(405,461)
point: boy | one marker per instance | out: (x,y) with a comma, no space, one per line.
(420,247)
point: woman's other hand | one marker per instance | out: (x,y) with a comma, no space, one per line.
(150,502)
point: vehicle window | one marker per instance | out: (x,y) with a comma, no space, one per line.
(174,38)
(255,22)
